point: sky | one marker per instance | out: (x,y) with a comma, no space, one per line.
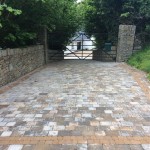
(78,1)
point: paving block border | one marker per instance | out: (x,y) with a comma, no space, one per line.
(75,140)
(140,77)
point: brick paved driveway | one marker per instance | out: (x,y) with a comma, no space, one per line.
(76,98)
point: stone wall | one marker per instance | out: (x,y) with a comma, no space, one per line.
(108,56)
(126,39)
(137,44)
(15,63)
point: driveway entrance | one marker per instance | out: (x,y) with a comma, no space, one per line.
(76,98)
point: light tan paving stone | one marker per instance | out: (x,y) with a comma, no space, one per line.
(115,140)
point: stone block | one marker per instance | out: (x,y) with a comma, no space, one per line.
(10,67)
(4,53)
(10,52)
(0,53)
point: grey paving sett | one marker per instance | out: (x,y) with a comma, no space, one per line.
(75,147)
(70,98)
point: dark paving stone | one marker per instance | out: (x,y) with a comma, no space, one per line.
(64,133)
(76,133)
(95,147)
(28,147)
(69,147)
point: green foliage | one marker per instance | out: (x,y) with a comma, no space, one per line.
(65,24)
(141,60)
(82,9)
(20,21)
(102,20)
(10,37)
(105,16)
(145,8)
(19,30)
(125,14)
(7,10)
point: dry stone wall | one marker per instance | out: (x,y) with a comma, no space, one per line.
(106,56)
(137,44)
(15,63)
(55,55)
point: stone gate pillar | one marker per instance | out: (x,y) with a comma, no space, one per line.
(125,42)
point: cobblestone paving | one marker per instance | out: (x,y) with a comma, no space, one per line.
(76,98)
(76,147)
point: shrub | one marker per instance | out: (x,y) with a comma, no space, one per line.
(141,60)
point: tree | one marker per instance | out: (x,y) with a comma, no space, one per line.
(6,11)
(104,16)
(66,24)
(22,30)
